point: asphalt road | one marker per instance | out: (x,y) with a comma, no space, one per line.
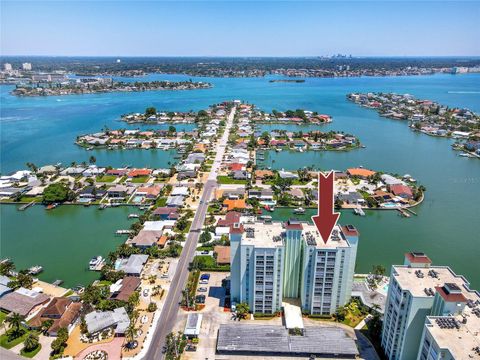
(172,302)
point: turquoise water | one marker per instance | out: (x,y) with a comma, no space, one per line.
(42,130)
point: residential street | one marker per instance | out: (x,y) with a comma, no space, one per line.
(172,302)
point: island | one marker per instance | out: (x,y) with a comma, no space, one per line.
(100,85)
(427,117)
(298,116)
(279,140)
(152,116)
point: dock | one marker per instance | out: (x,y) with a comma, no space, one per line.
(403,213)
(411,211)
(26,206)
(99,266)
(123,232)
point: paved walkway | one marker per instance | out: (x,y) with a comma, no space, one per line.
(113,349)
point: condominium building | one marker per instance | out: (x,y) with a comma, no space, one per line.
(27,66)
(276,261)
(456,334)
(7,67)
(422,298)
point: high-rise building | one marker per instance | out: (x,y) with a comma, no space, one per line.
(276,261)
(7,67)
(27,66)
(418,294)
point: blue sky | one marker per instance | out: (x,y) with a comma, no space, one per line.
(247,28)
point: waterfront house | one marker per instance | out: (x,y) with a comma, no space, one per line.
(11,192)
(296,193)
(149,192)
(73,171)
(390,180)
(123,288)
(164,213)
(236,167)
(120,191)
(195,158)
(117,319)
(139,172)
(4,289)
(188,174)
(403,191)
(351,198)
(360,172)
(47,169)
(118,172)
(158,225)
(287,175)
(132,265)
(62,311)
(92,192)
(93,170)
(234,204)
(145,238)
(23,301)
(263,174)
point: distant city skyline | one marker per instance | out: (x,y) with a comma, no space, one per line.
(243,29)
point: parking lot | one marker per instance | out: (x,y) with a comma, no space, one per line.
(213,315)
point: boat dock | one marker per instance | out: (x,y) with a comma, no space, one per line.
(411,211)
(26,206)
(403,213)
(123,232)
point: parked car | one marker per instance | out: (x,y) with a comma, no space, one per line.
(204,252)
(145,292)
(202,289)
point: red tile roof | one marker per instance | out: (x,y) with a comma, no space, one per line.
(452,297)
(139,172)
(418,258)
(231,218)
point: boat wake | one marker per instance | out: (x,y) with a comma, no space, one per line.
(463,92)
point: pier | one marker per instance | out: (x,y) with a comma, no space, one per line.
(26,206)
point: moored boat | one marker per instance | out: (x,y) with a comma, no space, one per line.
(299,210)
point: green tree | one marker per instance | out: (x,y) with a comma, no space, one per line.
(31,342)
(6,267)
(131,333)
(92,159)
(242,310)
(172,129)
(14,322)
(149,111)
(152,307)
(57,192)
(205,237)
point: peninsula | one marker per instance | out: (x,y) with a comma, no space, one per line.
(100,85)
(427,117)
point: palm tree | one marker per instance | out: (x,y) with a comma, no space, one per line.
(31,341)
(15,322)
(131,333)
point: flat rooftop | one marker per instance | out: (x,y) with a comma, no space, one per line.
(275,340)
(263,235)
(269,235)
(416,280)
(336,239)
(459,338)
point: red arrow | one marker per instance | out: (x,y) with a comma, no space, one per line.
(326,218)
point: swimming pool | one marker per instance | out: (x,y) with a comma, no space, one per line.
(137,199)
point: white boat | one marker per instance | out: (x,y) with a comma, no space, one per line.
(359,211)
(467,155)
(133,216)
(299,210)
(95,262)
(34,270)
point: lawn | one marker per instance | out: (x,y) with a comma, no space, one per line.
(208,263)
(140,179)
(229,180)
(106,178)
(31,354)
(2,317)
(161,202)
(10,344)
